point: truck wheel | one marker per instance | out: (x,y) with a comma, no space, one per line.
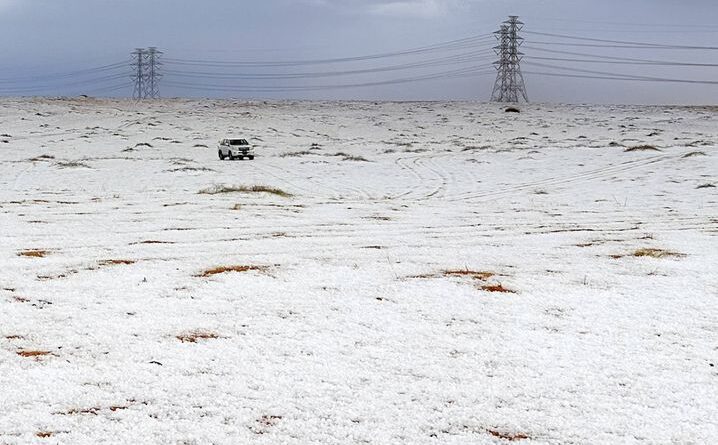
(251,158)
(221,156)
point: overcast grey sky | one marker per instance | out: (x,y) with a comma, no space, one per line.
(47,37)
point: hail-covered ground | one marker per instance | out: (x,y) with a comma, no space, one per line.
(381,273)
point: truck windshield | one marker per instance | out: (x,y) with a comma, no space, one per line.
(238,142)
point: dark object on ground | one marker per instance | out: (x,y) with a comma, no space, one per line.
(512,110)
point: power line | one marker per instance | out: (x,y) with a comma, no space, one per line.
(464,72)
(451,45)
(623,42)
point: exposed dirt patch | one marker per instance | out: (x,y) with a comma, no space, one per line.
(194,336)
(44,434)
(34,253)
(32,353)
(693,154)
(511,437)
(236,268)
(497,288)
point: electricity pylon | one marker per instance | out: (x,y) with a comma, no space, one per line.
(153,74)
(138,63)
(146,65)
(509,86)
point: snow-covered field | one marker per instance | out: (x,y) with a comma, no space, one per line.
(441,273)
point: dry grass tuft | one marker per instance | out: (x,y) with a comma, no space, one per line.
(34,253)
(218,189)
(32,353)
(72,164)
(511,437)
(355,158)
(651,253)
(693,153)
(295,154)
(194,336)
(642,148)
(225,269)
(477,275)
(116,262)
(44,434)
(656,253)
(497,288)
(264,423)
(237,207)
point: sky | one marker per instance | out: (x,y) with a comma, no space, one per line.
(46,42)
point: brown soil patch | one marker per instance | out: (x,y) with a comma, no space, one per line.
(44,434)
(32,353)
(511,437)
(34,253)
(497,288)
(225,269)
(193,336)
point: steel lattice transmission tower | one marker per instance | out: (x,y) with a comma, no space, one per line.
(509,86)
(152,87)
(146,66)
(138,64)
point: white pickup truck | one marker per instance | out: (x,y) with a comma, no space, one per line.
(235,149)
